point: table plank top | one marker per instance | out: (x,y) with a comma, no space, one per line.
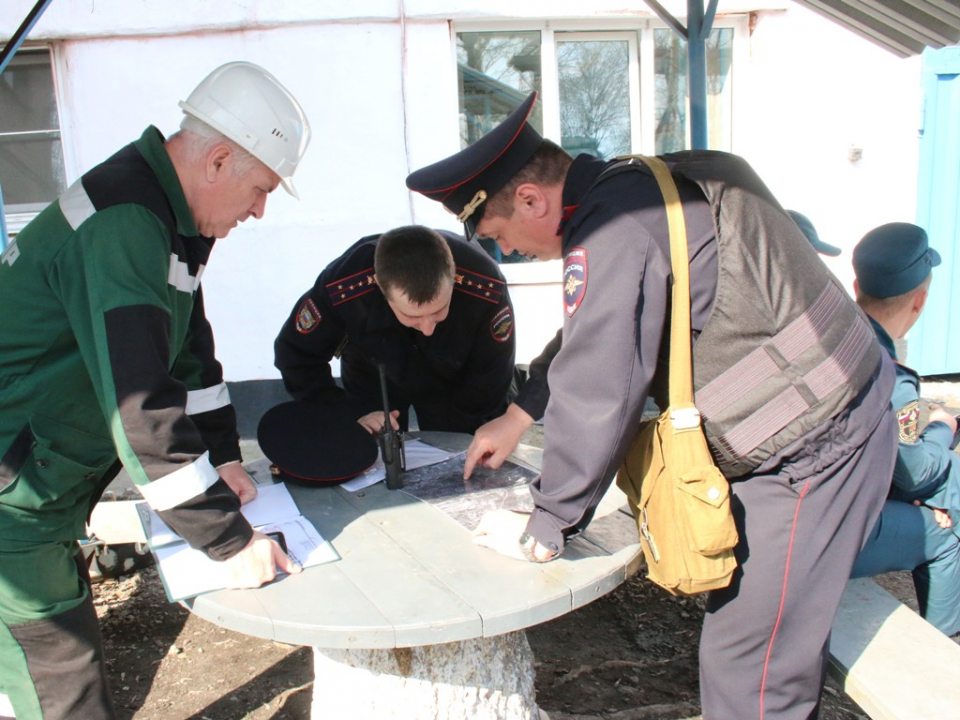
(410,575)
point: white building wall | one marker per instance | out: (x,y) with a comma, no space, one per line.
(378,81)
(816,92)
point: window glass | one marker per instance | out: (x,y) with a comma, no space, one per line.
(496,72)
(671,90)
(32,169)
(608,104)
(594,97)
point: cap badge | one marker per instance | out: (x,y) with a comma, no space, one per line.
(471,206)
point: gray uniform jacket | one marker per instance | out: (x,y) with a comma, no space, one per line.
(616,298)
(612,333)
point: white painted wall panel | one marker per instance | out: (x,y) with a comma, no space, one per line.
(817,90)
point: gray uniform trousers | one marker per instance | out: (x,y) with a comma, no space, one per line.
(803,517)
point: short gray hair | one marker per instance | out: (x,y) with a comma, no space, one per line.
(200,139)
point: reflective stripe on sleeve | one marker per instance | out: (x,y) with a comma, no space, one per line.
(211,398)
(180,276)
(181,485)
(76,205)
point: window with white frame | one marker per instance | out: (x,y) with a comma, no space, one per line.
(607,92)
(32,170)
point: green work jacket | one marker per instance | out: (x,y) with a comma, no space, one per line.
(106,354)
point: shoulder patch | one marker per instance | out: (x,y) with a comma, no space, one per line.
(501,327)
(352,286)
(908,419)
(308,317)
(574,279)
(477,285)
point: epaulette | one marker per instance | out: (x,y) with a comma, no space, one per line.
(351,287)
(480,286)
(909,370)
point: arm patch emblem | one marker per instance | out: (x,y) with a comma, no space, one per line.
(574,279)
(908,420)
(501,327)
(308,317)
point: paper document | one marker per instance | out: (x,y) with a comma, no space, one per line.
(186,572)
(273,502)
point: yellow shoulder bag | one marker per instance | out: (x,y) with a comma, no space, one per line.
(680,499)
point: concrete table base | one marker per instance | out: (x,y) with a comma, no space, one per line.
(481,679)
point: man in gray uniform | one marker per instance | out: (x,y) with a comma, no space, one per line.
(790,382)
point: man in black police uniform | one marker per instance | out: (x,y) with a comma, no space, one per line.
(790,381)
(431,308)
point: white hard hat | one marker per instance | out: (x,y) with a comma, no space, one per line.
(250,106)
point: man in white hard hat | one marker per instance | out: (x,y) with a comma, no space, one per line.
(107,359)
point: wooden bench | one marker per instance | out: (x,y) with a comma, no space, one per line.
(893,663)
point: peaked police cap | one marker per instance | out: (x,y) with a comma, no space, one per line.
(893,259)
(465,181)
(316,443)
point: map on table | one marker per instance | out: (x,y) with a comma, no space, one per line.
(442,485)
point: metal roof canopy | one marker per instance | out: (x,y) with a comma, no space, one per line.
(904,27)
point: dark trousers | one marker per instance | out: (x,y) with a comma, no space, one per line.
(907,537)
(802,519)
(51,650)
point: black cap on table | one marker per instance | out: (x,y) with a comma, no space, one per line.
(316,443)
(465,181)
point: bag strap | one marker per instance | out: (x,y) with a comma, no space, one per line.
(681,361)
